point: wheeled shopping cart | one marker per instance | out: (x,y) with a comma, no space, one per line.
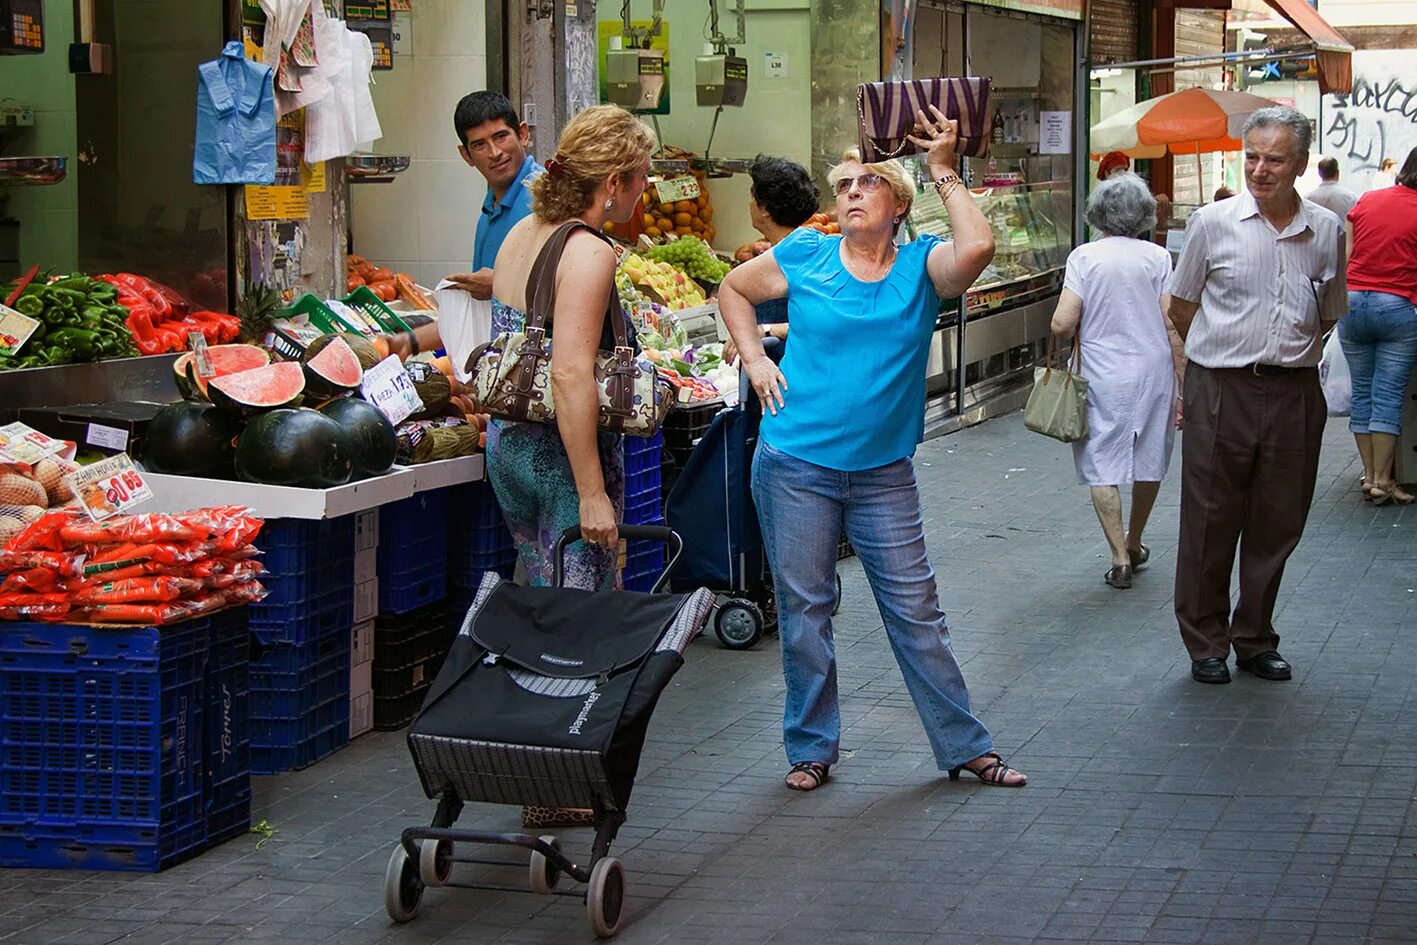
(543,700)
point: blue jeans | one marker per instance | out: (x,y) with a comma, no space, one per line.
(1379,338)
(802,508)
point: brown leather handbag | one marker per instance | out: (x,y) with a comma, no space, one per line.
(886,111)
(511,374)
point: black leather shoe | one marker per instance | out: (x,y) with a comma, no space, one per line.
(1212,670)
(1266,666)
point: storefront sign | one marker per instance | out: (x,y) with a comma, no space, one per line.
(15,330)
(677,188)
(1055,132)
(386,386)
(24,444)
(108,487)
(276,202)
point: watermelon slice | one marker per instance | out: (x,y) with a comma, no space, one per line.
(333,370)
(263,388)
(226,359)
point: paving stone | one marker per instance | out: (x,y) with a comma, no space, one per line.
(1158,810)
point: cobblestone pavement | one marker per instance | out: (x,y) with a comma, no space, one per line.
(1159,810)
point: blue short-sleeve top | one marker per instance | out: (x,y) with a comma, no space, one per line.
(856,354)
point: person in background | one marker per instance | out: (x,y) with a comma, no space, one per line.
(1330,194)
(1113,162)
(1112,301)
(1379,333)
(863,312)
(1259,280)
(493,141)
(1222,193)
(782,198)
(1386,175)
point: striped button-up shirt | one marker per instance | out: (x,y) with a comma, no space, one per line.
(1262,292)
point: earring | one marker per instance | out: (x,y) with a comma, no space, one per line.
(897,221)
(609,205)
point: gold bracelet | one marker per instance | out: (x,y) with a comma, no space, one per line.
(946,187)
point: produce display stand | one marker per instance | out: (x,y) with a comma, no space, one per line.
(178,493)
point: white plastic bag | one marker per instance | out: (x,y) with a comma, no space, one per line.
(1334,376)
(463,323)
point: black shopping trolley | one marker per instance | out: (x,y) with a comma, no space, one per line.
(543,700)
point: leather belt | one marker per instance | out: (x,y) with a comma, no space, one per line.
(1273,370)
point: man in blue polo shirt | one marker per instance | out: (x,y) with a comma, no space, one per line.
(494,141)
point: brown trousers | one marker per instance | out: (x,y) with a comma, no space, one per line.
(1249,460)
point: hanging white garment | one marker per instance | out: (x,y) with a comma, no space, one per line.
(329,123)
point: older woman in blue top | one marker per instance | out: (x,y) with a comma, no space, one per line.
(862,311)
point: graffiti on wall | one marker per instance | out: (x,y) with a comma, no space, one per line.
(1377,120)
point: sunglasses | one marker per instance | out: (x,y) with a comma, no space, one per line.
(867,182)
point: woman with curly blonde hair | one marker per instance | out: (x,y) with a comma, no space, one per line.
(549,477)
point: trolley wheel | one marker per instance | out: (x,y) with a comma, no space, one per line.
(403,890)
(605,896)
(435,862)
(836,600)
(738,624)
(544,874)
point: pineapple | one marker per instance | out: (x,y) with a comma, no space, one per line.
(256,309)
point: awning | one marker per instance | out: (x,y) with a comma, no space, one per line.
(1333,53)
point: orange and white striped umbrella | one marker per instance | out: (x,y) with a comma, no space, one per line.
(1192,121)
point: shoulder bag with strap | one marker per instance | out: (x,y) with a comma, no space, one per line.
(1057,406)
(886,111)
(511,374)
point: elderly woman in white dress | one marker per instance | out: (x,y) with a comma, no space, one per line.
(1112,301)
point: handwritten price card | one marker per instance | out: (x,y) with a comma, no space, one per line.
(386,386)
(109,487)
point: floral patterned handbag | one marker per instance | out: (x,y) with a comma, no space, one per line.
(511,374)
(886,111)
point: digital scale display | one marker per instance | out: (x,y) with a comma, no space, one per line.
(21,26)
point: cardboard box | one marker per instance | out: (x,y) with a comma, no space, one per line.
(366,565)
(366,531)
(366,600)
(361,651)
(361,714)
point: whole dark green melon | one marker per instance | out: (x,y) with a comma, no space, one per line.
(371,435)
(298,447)
(192,438)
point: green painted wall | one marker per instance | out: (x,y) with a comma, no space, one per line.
(49,216)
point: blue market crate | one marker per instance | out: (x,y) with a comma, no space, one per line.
(642,453)
(299,702)
(227,764)
(309,565)
(102,738)
(408,652)
(644,563)
(413,552)
(478,539)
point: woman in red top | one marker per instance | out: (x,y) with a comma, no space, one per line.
(1379,333)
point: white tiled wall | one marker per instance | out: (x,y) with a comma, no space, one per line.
(423,222)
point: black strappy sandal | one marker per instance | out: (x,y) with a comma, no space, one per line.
(1119,576)
(991,774)
(1139,558)
(815,770)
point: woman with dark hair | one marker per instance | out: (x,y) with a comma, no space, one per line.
(1379,333)
(782,198)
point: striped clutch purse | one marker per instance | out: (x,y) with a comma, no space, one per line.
(886,111)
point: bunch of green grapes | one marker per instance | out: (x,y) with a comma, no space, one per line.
(691,256)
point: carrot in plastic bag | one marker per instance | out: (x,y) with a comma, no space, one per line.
(154,527)
(146,614)
(37,580)
(29,598)
(151,589)
(52,613)
(43,534)
(62,563)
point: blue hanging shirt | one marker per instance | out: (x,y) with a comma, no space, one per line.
(498,217)
(855,357)
(236,121)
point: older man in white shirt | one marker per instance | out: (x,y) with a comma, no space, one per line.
(1259,281)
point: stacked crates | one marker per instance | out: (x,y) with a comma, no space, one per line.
(366,607)
(478,542)
(113,759)
(644,560)
(684,426)
(411,633)
(300,643)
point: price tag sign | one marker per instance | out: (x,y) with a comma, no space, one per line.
(109,487)
(15,330)
(386,386)
(677,188)
(111,438)
(26,445)
(198,343)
